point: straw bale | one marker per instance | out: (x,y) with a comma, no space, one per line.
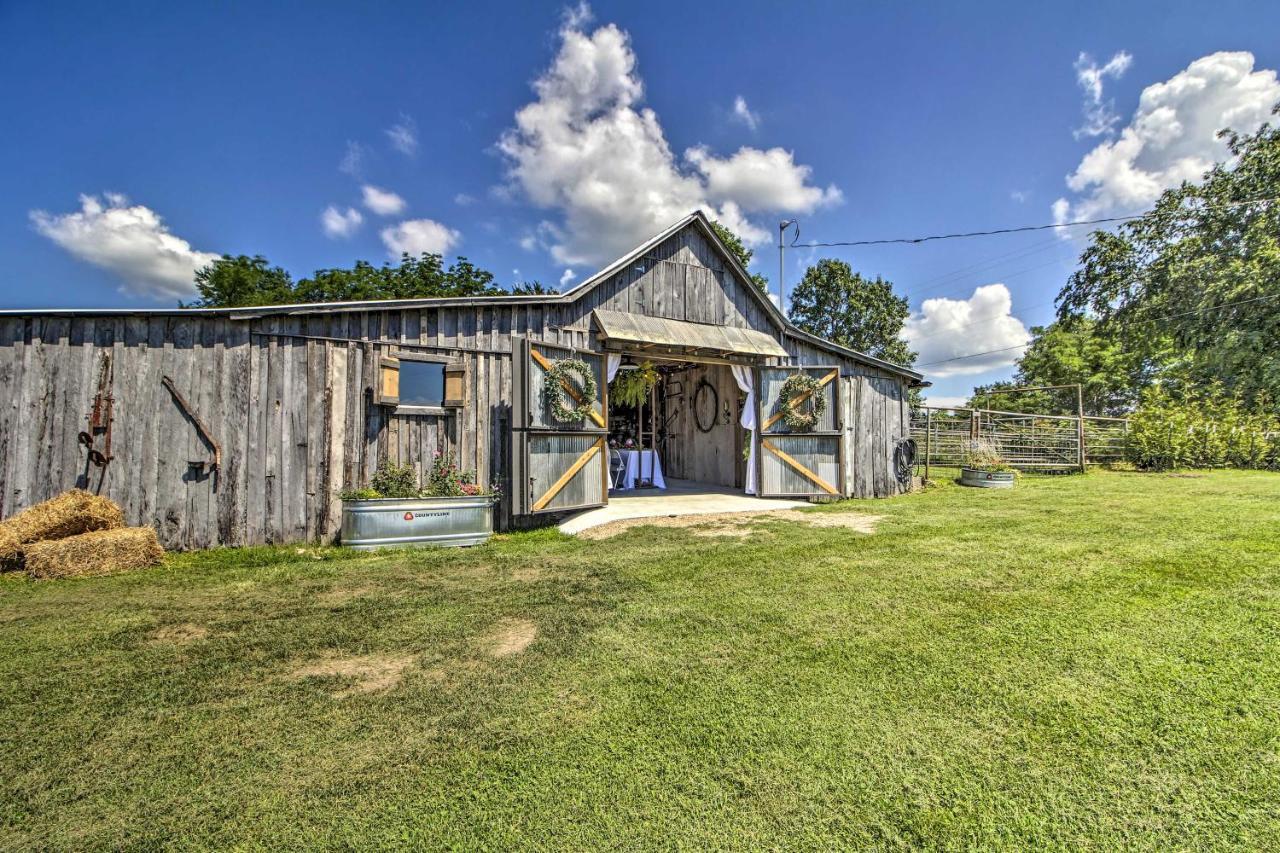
(100,552)
(70,513)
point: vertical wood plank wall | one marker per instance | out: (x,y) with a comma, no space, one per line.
(289,398)
(707,457)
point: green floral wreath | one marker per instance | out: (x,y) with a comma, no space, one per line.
(553,389)
(801,385)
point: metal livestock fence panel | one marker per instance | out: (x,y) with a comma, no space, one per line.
(1025,441)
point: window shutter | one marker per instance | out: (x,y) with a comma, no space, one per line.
(389,381)
(455,384)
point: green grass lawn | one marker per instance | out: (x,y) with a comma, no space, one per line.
(1082,663)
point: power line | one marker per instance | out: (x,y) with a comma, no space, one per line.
(1017,230)
(1154,319)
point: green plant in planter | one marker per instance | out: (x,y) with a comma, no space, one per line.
(982,455)
(445,479)
(394,481)
(632,387)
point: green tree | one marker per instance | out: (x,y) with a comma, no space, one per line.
(734,244)
(243,281)
(240,281)
(532,288)
(834,302)
(421,277)
(1193,287)
(1066,353)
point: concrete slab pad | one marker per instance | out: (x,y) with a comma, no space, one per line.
(682,497)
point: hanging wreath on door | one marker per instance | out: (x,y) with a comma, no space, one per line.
(556,397)
(802,402)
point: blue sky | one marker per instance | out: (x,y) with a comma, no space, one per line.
(196,129)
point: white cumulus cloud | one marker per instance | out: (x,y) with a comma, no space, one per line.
(382,202)
(131,241)
(415,236)
(403,136)
(744,113)
(566,277)
(340,223)
(586,148)
(1099,115)
(758,180)
(1172,136)
(984,323)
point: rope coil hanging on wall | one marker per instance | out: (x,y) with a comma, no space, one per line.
(704,385)
(904,457)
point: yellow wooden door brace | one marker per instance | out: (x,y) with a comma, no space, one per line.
(556,487)
(794,463)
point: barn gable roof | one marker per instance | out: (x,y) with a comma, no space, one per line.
(696,219)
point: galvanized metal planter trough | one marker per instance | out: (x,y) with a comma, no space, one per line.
(986,479)
(411,522)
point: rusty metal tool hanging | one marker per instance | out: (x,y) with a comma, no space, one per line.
(201,427)
(101,416)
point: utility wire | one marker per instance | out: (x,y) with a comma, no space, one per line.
(1020,229)
(1154,319)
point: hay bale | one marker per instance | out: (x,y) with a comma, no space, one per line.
(100,552)
(70,513)
(10,551)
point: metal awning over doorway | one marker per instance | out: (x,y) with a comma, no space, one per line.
(624,330)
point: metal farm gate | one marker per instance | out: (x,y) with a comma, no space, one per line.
(1025,441)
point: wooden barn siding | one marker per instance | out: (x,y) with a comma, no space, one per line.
(287,397)
(710,457)
(682,278)
(876,419)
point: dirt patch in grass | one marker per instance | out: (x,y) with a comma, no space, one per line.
(511,637)
(186,632)
(365,673)
(851,520)
(340,595)
(736,524)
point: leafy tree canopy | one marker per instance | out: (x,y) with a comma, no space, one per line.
(238,281)
(533,288)
(834,302)
(1193,287)
(242,281)
(1066,353)
(734,244)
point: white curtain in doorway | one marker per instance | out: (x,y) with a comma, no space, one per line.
(612,361)
(743,375)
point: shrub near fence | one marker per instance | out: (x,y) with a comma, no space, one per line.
(1212,432)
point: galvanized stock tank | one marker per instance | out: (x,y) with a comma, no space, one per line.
(986,479)
(407,522)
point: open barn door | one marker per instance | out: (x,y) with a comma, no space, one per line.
(802,460)
(558,465)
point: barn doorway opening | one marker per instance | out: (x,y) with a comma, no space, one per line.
(683,436)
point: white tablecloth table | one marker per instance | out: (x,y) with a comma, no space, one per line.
(641,465)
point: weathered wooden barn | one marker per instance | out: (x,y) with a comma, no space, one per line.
(241,426)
